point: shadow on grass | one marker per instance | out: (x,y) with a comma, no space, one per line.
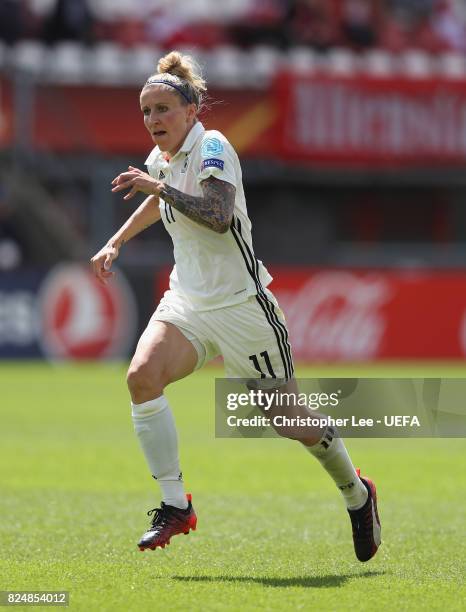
(315,582)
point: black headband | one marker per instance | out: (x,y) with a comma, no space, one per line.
(156,81)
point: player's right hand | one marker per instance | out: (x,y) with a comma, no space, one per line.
(102,262)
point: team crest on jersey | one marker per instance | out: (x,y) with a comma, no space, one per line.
(161,175)
(211,147)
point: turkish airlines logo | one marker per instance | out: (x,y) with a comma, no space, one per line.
(336,315)
(81,319)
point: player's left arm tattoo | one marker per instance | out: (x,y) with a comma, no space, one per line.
(213,210)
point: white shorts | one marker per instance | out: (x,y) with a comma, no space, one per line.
(251,337)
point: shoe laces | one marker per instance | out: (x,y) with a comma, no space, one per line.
(162,516)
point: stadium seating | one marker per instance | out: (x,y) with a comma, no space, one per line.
(67,64)
(127,36)
(226,66)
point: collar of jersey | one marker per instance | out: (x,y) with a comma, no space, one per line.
(187,145)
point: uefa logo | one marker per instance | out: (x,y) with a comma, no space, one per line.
(81,319)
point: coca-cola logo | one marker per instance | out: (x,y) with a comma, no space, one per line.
(337,315)
(81,319)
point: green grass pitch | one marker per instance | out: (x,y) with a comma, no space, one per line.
(272,534)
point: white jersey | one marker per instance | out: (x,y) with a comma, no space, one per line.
(211,270)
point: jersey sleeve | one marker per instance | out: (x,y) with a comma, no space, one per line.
(217,159)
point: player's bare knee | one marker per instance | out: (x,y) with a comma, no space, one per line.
(144,382)
(290,428)
(287,432)
(304,434)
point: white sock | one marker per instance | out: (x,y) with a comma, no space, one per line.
(333,456)
(155,427)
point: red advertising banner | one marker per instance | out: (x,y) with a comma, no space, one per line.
(108,120)
(310,118)
(346,315)
(63,313)
(354,315)
(372,121)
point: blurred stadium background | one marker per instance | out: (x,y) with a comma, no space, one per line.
(349,117)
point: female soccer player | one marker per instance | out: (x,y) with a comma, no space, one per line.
(218,301)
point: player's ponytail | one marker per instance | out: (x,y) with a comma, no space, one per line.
(182,73)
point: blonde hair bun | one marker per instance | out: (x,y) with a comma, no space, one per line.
(183,73)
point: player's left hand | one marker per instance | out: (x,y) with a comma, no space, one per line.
(137,180)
